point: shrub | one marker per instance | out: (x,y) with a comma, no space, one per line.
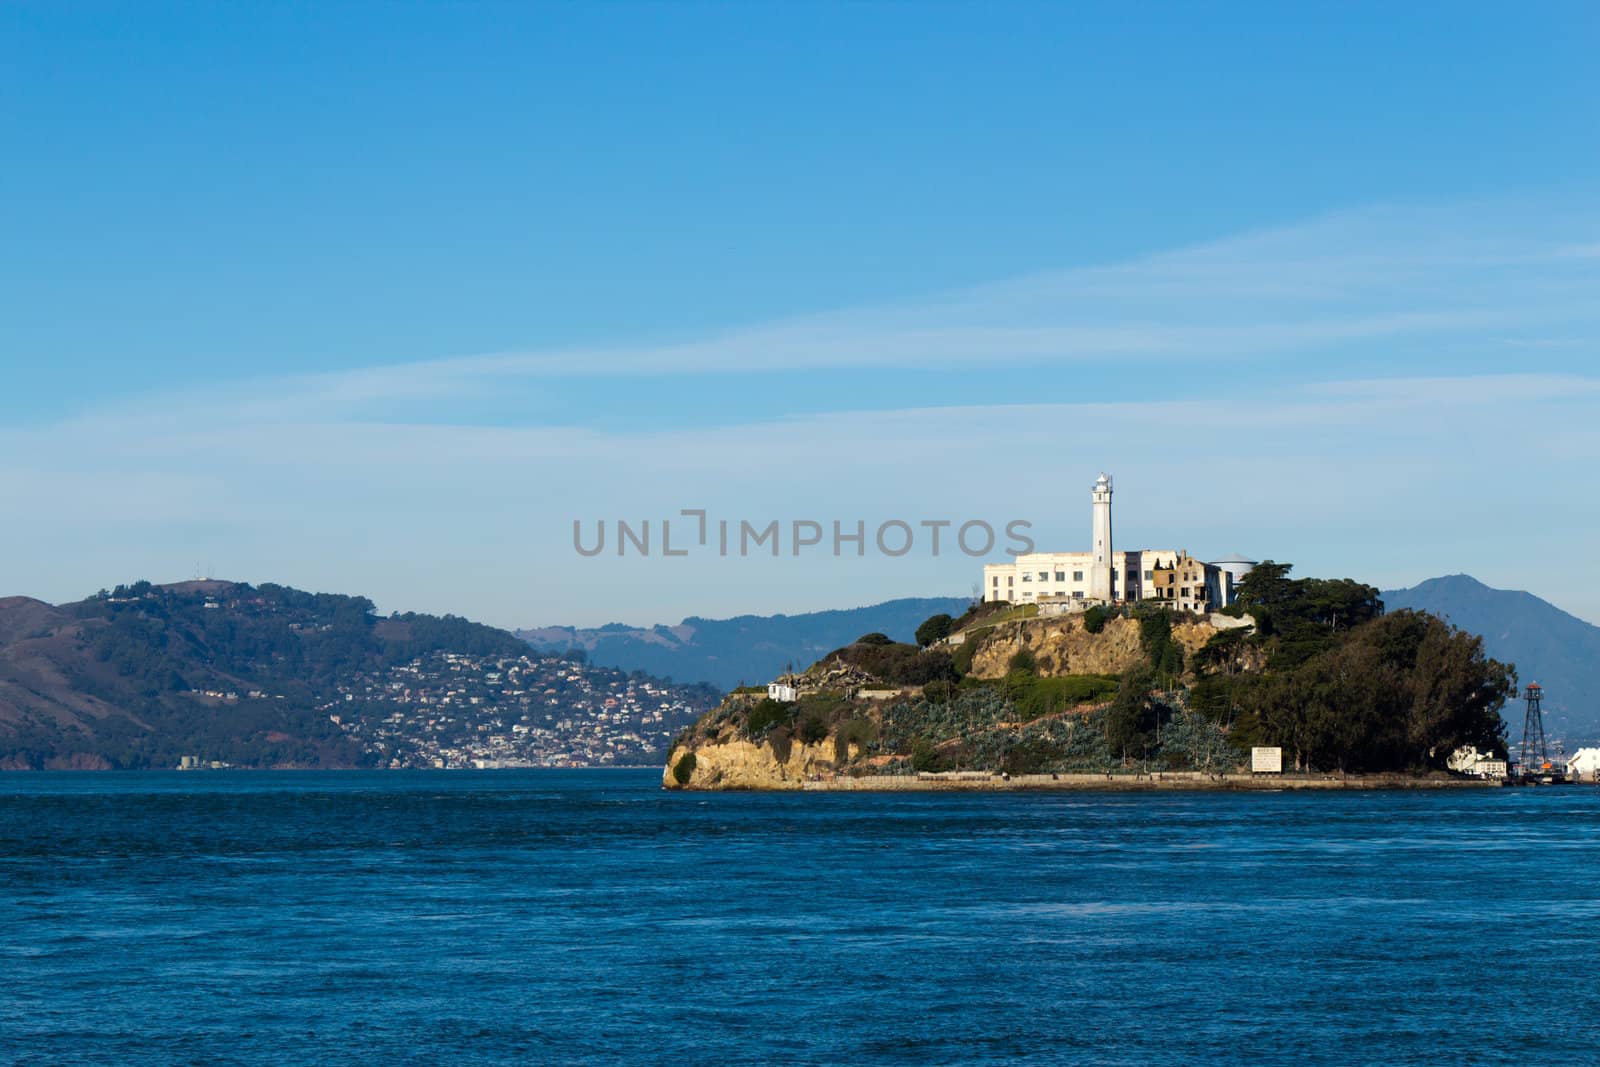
(1032,756)
(824,705)
(813,729)
(898,664)
(860,732)
(1024,661)
(683,770)
(1191,740)
(874,639)
(767,714)
(961,660)
(1094,620)
(1033,697)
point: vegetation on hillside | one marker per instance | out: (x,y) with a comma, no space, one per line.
(141,675)
(1324,673)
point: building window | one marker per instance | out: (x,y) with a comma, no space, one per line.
(1061,576)
(1077,594)
(1077,576)
(1148,576)
(1044,576)
(997,579)
(1010,580)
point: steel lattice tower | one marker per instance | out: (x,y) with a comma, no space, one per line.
(1533,731)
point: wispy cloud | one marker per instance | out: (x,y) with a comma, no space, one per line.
(384,481)
(1385,282)
(1387,479)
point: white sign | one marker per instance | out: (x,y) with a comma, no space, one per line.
(1266,760)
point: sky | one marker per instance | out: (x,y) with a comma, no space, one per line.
(382,299)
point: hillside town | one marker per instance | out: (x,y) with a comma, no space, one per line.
(454,710)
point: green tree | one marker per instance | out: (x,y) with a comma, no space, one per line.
(1163,653)
(936,628)
(1132,718)
(1400,692)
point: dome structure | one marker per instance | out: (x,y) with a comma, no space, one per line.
(1236,565)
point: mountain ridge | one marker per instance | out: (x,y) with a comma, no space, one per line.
(1553,647)
(1550,646)
(269,676)
(743,648)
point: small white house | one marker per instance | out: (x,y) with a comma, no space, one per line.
(780,691)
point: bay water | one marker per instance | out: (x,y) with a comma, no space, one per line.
(590,917)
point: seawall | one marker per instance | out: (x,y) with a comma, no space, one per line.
(1178,781)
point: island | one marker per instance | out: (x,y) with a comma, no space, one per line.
(1143,694)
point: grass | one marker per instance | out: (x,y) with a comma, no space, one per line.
(1012,614)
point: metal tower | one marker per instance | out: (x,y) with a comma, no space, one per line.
(1534,757)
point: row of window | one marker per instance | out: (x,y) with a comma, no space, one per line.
(1061,576)
(1078,594)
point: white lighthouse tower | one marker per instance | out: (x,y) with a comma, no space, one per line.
(1100,584)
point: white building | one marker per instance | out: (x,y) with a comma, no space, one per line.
(1585,765)
(1043,575)
(1469,761)
(1104,575)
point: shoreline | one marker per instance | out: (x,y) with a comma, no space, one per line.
(1169,781)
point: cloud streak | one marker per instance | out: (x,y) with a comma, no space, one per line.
(1299,472)
(386,481)
(1381,283)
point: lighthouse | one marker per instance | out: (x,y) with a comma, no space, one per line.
(1100,580)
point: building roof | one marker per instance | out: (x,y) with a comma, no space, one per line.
(1235,558)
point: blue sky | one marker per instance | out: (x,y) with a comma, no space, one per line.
(379,298)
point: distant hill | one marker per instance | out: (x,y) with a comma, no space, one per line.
(267,676)
(749,648)
(1559,651)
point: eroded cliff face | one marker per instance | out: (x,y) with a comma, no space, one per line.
(1063,646)
(739,763)
(725,757)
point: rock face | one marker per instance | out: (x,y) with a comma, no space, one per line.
(725,751)
(736,763)
(1062,645)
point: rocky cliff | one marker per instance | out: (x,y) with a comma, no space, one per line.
(739,763)
(1049,716)
(1063,646)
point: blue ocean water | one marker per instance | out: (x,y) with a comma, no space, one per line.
(589,917)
